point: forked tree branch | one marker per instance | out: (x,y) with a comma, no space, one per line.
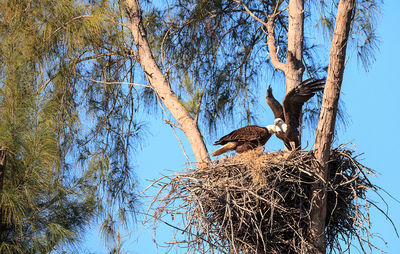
(270,26)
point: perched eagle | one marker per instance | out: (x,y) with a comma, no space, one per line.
(244,139)
(289,114)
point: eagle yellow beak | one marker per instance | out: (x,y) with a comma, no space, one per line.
(276,127)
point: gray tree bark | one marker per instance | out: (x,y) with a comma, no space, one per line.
(327,118)
(160,84)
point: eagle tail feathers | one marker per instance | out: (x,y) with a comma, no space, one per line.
(227,147)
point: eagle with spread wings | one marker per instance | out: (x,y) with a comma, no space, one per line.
(286,124)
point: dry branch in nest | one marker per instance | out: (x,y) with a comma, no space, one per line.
(261,203)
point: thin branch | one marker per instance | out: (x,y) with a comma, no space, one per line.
(251,13)
(42,88)
(66,23)
(270,25)
(237,203)
(171,123)
(131,53)
(116,83)
(172,127)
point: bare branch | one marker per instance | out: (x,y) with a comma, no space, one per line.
(172,127)
(270,25)
(66,23)
(248,11)
(171,123)
(131,53)
(160,84)
(254,196)
(116,83)
(273,52)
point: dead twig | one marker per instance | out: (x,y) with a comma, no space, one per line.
(261,203)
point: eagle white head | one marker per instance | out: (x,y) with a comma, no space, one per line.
(280,125)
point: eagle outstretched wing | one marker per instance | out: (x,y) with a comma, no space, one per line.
(295,99)
(291,109)
(275,106)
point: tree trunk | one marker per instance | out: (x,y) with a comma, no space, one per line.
(327,118)
(295,36)
(294,56)
(160,84)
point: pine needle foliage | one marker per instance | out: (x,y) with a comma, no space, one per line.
(69,124)
(224,49)
(363,38)
(41,207)
(68,129)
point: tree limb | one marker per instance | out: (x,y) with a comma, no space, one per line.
(327,118)
(270,25)
(131,53)
(273,52)
(160,84)
(295,38)
(116,83)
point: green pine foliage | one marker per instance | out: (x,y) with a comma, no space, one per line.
(363,40)
(41,206)
(70,127)
(69,139)
(224,50)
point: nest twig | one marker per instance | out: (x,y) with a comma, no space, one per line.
(261,203)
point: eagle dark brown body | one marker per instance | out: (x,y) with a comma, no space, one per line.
(291,110)
(243,139)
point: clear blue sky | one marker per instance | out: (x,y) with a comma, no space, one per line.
(372,103)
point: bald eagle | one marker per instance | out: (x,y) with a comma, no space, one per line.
(288,116)
(244,139)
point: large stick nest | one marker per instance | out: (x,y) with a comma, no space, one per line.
(261,203)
